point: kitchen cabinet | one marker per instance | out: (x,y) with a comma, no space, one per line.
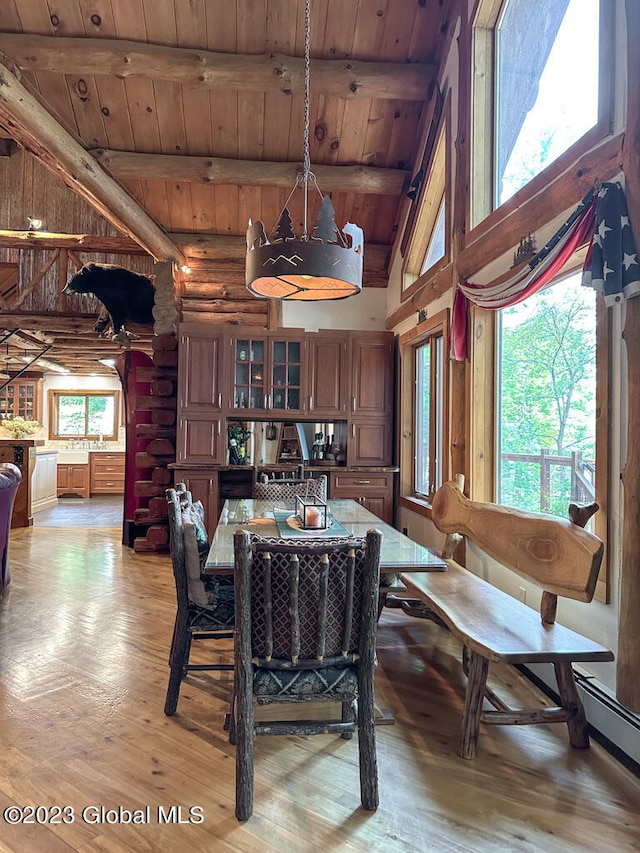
(328,375)
(201,371)
(45,481)
(21,398)
(269,375)
(73,480)
(370,438)
(107,473)
(203,486)
(371,358)
(369,443)
(373,489)
(201,440)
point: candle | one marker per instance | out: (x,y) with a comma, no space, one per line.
(312,517)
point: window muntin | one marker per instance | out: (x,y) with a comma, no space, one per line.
(90,415)
(546,420)
(546,86)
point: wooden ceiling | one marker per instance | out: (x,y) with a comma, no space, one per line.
(179,121)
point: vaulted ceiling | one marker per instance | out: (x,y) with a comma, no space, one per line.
(179,121)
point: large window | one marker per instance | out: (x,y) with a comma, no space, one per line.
(424,408)
(546,425)
(541,82)
(90,415)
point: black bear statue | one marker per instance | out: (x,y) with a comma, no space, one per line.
(127,297)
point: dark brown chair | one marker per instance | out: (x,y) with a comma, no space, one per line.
(306,615)
(286,491)
(205,609)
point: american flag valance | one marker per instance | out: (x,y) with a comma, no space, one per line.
(612,260)
(611,264)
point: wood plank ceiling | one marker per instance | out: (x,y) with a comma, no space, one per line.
(178,120)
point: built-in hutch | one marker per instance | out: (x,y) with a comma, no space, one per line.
(292,376)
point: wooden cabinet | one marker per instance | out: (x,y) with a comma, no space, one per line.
(372,489)
(369,443)
(73,480)
(107,473)
(202,440)
(370,439)
(328,375)
(269,375)
(201,371)
(202,396)
(371,355)
(203,486)
(21,398)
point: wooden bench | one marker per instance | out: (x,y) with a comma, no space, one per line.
(560,557)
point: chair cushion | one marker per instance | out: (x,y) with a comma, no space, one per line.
(337,681)
(217,616)
(213,595)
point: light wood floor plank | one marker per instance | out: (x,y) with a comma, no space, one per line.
(84,639)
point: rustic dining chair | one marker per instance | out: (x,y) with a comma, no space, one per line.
(288,490)
(205,609)
(306,614)
(10,478)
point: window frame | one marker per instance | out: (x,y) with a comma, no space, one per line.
(436,327)
(435,190)
(55,393)
(482,149)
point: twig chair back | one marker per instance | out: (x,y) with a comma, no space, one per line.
(286,491)
(306,615)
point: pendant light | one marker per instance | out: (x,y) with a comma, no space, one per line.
(326,264)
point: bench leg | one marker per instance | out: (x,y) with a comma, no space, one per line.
(571,702)
(476,684)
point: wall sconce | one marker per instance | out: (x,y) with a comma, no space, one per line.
(34,223)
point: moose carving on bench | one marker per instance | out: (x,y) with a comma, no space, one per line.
(559,556)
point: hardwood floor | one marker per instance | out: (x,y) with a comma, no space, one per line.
(84,638)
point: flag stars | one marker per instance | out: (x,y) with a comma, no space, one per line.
(629,260)
(606,270)
(602,229)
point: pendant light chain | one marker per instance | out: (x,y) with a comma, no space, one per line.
(307,157)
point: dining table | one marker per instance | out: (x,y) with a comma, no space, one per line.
(398,554)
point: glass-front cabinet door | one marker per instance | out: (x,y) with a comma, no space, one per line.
(268,375)
(250,374)
(286,373)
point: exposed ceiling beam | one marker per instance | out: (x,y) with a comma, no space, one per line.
(79,242)
(129,165)
(36,129)
(272,72)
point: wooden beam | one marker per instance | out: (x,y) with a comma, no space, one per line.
(79,242)
(202,69)
(129,165)
(628,665)
(501,231)
(34,128)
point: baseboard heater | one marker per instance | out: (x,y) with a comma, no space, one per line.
(611,724)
